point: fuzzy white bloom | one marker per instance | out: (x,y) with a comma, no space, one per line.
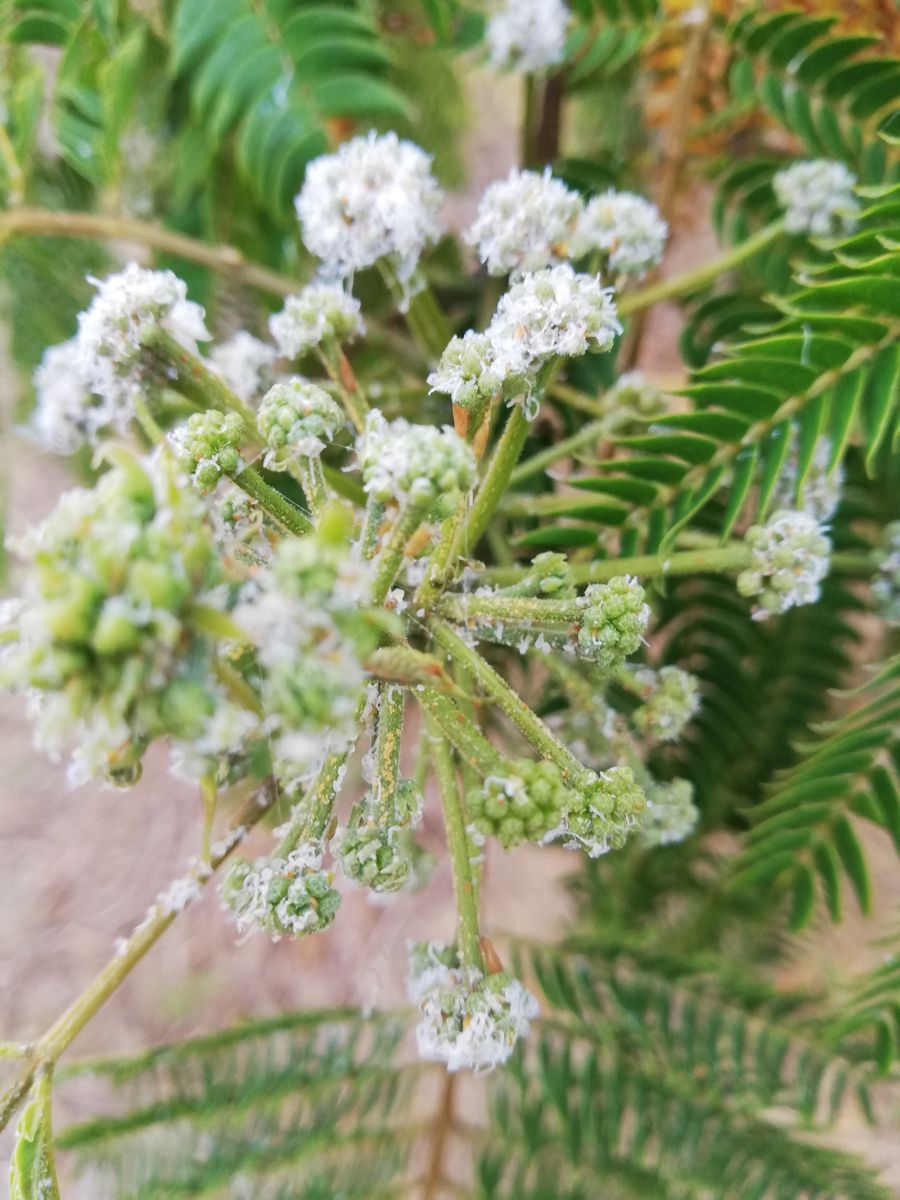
(279,896)
(375,198)
(525,222)
(817,197)
(67,414)
(420,462)
(468,371)
(552,312)
(468,1020)
(670,815)
(129,306)
(625,227)
(528,35)
(245,363)
(671,697)
(225,732)
(789,560)
(320,312)
(821,491)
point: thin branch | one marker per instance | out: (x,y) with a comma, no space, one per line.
(443,1124)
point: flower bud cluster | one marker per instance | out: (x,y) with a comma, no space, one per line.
(613,622)
(626,228)
(374,852)
(375,198)
(107,641)
(821,492)
(527,35)
(468,371)
(817,197)
(672,699)
(291,896)
(632,396)
(400,461)
(297,420)
(129,307)
(550,575)
(521,806)
(302,615)
(886,585)
(208,445)
(245,363)
(789,560)
(468,1019)
(320,313)
(670,815)
(606,810)
(525,222)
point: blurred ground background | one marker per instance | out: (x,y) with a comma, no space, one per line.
(78,868)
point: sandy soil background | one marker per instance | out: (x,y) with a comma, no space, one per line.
(78,868)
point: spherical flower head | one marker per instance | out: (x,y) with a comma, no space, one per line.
(886,584)
(245,363)
(624,227)
(420,463)
(606,810)
(817,197)
(320,313)
(374,198)
(297,420)
(130,306)
(674,699)
(527,35)
(670,815)
(107,643)
(552,312)
(614,621)
(632,395)
(374,858)
(470,1020)
(468,372)
(520,806)
(208,444)
(789,558)
(67,414)
(821,492)
(290,896)
(524,222)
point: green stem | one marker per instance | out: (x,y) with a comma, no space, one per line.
(493,485)
(373,516)
(576,399)
(344,379)
(498,690)
(312,480)
(686,562)
(146,421)
(693,281)
(426,314)
(458,845)
(473,747)
(192,378)
(209,796)
(51,1045)
(534,465)
(285,512)
(408,520)
(387,752)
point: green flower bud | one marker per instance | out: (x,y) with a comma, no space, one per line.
(297,420)
(671,814)
(373,857)
(606,809)
(614,621)
(673,699)
(789,560)
(208,445)
(523,806)
(281,896)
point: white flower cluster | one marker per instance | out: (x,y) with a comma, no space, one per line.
(789,559)
(85,385)
(886,584)
(245,363)
(527,35)
(468,1019)
(632,395)
(525,222)
(302,615)
(821,492)
(321,312)
(297,420)
(672,699)
(626,228)
(375,198)
(670,815)
(279,896)
(468,371)
(130,306)
(401,461)
(817,197)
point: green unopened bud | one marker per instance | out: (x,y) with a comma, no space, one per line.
(671,814)
(297,420)
(282,896)
(614,621)
(374,858)
(521,806)
(673,699)
(208,445)
(606,810)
